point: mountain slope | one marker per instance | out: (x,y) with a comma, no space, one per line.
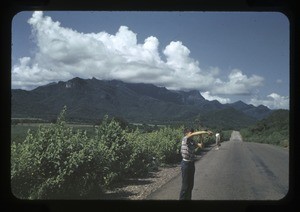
(258,112)
(226,119)
(91,99)
(273,129)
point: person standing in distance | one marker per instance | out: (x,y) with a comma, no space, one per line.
(188,146)
(218,140)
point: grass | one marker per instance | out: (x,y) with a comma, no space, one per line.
(19,131)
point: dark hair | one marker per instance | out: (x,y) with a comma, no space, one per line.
(186,130)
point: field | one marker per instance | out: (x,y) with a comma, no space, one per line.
(19,131)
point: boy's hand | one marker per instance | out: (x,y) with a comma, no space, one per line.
(209,132)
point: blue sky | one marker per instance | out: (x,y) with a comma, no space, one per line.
(227,56)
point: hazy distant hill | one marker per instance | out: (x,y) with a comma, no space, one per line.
(255,112)
(228,118)
(91,99)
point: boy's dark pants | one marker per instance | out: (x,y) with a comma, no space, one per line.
(188,172)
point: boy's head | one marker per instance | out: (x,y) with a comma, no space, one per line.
(188,130)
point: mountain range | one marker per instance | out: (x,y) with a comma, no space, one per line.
(88,100)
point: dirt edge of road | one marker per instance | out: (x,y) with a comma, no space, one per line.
(140,188)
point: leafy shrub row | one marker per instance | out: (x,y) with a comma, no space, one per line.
(57,162)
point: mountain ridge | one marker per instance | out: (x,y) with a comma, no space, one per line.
(91,99)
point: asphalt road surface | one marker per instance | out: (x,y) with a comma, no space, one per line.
(237,171)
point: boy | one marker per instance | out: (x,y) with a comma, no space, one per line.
(188,147)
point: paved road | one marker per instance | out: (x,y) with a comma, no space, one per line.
(237,171)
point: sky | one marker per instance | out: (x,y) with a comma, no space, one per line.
(226,56)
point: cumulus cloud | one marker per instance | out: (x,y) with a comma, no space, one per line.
(273,101)
(27,75)
(237,83)
(63,53)
(207,95)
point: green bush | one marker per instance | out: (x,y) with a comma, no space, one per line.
(266,134)
(47,163)
(142,158)
(57,162)
(114,151)
(165,144)
(151,150)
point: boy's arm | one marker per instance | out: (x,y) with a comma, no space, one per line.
(199,133)
(200,145)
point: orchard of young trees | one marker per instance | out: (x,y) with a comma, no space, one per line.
(57,162)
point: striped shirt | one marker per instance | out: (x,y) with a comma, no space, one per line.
(188,147)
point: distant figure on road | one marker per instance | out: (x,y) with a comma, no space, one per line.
(218,140)
(188,147)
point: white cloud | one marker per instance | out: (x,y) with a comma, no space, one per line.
(27,75)
(209,97)
(238,83)
(64,53)
(273,101)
